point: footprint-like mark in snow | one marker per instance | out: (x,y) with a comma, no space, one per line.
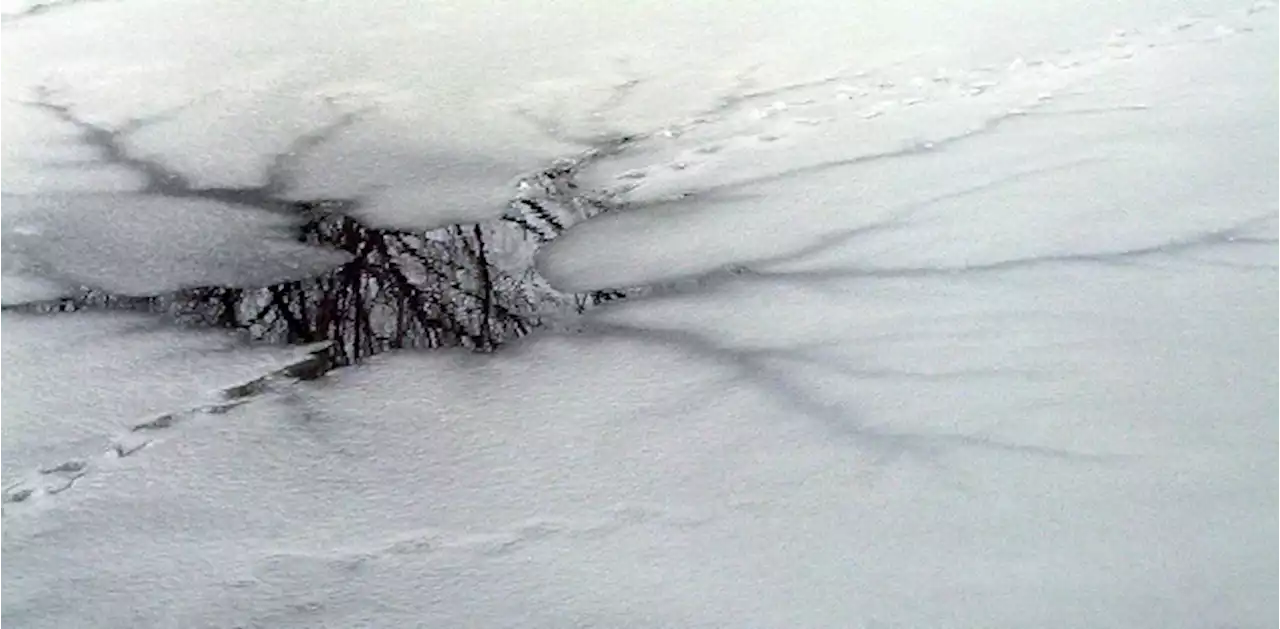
(339,561)
(55,479)
(741,125)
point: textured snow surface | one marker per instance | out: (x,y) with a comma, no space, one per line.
(74,382)
(1112,149)
(445,104)
(971,326)
(143,245)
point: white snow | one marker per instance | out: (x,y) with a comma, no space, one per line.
(74,382)
(961,317)
(224,86)
(145,245)
(1108,155)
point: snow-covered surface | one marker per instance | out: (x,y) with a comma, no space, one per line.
(141,245)
(1082,152)
(976,326)
(452,101)
(74,383)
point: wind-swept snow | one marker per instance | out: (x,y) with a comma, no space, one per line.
(963,318)
(75,383)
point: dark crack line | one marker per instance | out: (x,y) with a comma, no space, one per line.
(1135,256)
(41,8)
(554,129)
(747,364)
(133,439)
(280,172)
(157,179)
(987,128)
(900,217)
(161,180)
(754,366)
(756,269)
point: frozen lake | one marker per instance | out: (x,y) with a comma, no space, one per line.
(951,317)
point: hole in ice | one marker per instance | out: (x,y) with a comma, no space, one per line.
(463,285)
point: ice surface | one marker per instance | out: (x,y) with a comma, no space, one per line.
(1001,454)
(448,88)
(18,288)
(955,345)
(73,382)
(146,245)
(1112,154)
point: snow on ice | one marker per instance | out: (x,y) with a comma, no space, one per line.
(957,317)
